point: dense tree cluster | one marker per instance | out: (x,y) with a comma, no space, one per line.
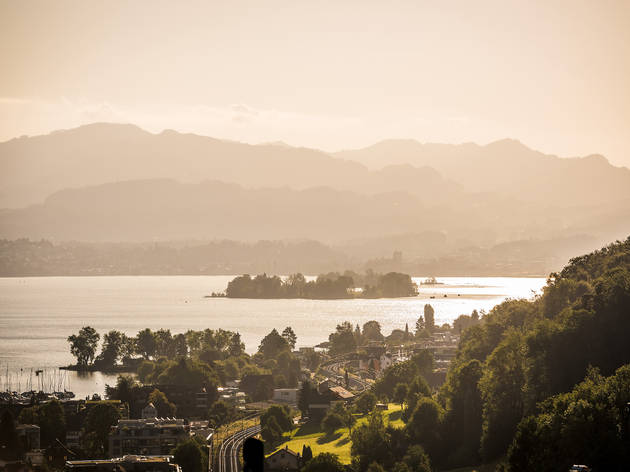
(274,422)
(523,354)
(528,387)
(327,286)
(275,355)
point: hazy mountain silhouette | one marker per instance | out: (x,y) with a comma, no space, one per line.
(34,167)
(507,167)
(162,209)
(183,186)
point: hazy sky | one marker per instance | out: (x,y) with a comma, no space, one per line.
(339,74)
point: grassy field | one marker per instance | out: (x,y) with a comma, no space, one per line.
(312,435)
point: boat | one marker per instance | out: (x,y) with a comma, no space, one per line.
(431,281)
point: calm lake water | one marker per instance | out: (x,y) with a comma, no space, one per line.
(37,314)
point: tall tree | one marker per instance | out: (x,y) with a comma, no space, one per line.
(145,343)
(164,407)
(8,437)
(305,396)
(289,335)
(51,421)
(429,317)
(272,345)
(83,345)
(191,456)
(98,423)
(236,347)
(420,326)
(113,343)
(372,331)
(342,340)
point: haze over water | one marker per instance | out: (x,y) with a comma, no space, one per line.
(37,314)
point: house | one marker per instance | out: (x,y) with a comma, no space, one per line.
(283,459)
(28,435)
(149,411)
(286,395)
(375,358)
(190,401)
(35,459)
(328,393)
(163,463)
(74,438)
(146,436)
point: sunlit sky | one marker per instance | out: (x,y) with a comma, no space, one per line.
(332,75)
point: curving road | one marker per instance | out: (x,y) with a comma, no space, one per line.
(229,450)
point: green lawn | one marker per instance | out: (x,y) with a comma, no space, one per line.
(339,443)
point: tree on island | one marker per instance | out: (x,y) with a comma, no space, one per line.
(116,345)
(400,393)
(332,285)
(145,343)
(83,345)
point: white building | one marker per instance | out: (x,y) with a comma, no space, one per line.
(287,395)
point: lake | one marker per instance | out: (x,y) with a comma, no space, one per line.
(37,314)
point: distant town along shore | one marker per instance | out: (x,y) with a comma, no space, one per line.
(326,286)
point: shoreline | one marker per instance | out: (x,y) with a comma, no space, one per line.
(91,368)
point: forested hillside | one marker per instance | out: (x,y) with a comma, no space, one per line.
(506,395)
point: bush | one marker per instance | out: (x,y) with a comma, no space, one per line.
(331,422)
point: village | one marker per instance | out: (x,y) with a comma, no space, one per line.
(145,434)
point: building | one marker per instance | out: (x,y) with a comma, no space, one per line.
(286,395)
(283,459)
(162,463)
(73,438)
(328,393)
(28,435)
(375,358)
(146,436)
(190,401)
(149,411)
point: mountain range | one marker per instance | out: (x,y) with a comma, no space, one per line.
(117,182)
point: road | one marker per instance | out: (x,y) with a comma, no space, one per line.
(229,450)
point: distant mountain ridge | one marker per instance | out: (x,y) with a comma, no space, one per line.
(507,167)
(164,209)
(35,167)
(110,182)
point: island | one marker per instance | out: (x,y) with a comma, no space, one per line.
(328,286)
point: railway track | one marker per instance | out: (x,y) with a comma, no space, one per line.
(229,450)
(357,384)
